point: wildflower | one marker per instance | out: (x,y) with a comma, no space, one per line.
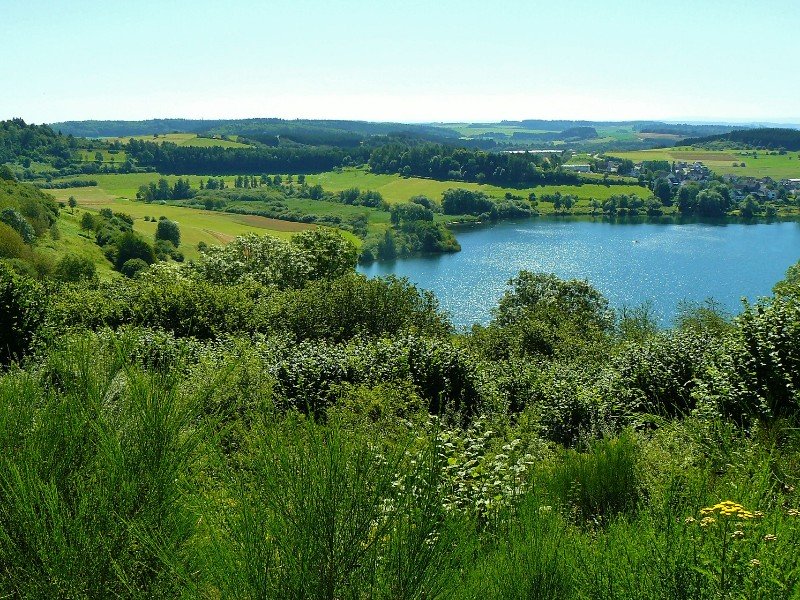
(793,512)
(755,563)
(689,520)
(738,534)
(706,521)
(758,514)
(770,537)
(728,508)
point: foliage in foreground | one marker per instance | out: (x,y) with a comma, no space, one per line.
(198,432)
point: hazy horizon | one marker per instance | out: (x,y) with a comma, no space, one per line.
(419,62)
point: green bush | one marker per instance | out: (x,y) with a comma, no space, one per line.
(22,315)
(133,266)
(131,246)
(74,267)
(92,475)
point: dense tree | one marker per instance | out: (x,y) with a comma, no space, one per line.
(410,211)
(130,245)
(663,191)
(169,231)
(449,162)
(170,158)
(329,254)
(535,290)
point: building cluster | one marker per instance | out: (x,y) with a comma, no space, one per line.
(684,171)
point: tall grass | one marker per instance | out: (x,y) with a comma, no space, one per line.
(95,454)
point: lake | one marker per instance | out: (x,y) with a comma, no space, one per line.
(631,263)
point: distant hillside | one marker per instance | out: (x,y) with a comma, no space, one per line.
(689,130)
(771,137)
(302,131)
(561,125)
(95,129)
(579,133)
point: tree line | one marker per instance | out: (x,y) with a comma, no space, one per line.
(445,162)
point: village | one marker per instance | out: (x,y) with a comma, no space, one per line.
(683,172)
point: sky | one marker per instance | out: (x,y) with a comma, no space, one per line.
(410,60)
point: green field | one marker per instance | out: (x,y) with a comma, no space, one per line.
(395,188)
(118,192)
(777,166)
(183,139)
(126,185)
(118,157)
(480,129)
(196,225)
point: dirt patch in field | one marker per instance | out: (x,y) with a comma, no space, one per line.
(704,156)
(222,237)
(273,224)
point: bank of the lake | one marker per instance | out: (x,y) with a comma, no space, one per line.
(632,262)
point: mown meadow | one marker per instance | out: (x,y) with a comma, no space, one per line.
(265,423)
(756,163)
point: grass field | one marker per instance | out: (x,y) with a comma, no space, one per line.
(118,157)
(395,188)
(182,139)
(762,165)
(126,185)
(196,225)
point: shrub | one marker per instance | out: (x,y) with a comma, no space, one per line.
(23,312)
(130,246)
(132,267)
(74,267)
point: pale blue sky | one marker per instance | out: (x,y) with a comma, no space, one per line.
(413,60)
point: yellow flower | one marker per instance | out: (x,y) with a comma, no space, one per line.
(706,521)
(689,520)
(738,534)
(755,563)
(770,537)
(793,512)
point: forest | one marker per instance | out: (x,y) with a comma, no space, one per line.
(771,138)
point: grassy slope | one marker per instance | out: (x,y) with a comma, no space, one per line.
(183,139)
(196,225)
(766,165)
(73,240)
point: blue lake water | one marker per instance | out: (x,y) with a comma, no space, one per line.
(631,263)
